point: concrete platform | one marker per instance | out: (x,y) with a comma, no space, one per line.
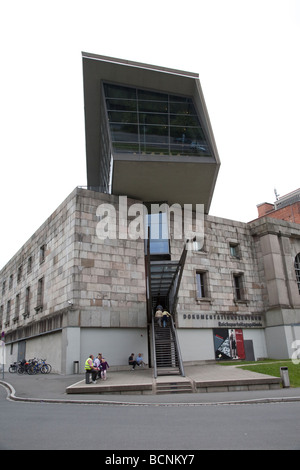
(200,379)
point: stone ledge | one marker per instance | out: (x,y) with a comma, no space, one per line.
(248,384)
(82,388)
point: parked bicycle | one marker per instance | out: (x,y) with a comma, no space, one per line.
(23,367)
(33,366)
(13,368)
(39,365)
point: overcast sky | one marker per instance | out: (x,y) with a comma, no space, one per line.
(247,54)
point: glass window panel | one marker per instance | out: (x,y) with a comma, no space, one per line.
(179,133)
(121,105)
(153,106)
(126,117)
(190,133)
(200,148)
(159,247)
(184,120)
(118,91)
(126,147)
(151,118)
(201,285)
(181,149)
(159,148)
(182,108)
(159,242)
(154,133)
(187,151)
(124,132)
(182,99)
(152,96)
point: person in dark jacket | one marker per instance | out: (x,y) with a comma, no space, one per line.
(131,361)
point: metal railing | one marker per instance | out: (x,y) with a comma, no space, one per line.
(154,349)
(177,346)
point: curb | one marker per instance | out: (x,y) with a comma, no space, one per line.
(11,395)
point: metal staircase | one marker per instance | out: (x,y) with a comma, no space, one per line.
(163,278)
(166,351)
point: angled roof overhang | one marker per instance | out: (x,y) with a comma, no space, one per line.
(171,178)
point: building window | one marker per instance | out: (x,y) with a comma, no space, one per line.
(3,287)
(8,307)
(238,287)
(297,270)
(11,281)
(146,121)
(234,250)
(201,278)
(29,265)
(27,302)
(42,253)
(159,233)
(19,275)
(17,308)
(40,295)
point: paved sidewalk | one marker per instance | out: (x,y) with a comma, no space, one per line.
(53,387)
(201,379)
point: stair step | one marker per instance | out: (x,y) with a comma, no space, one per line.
(166,351)
(168,370)
(161,392)
(174,387)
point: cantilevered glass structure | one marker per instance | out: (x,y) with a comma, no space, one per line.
(148,134)
(147,122)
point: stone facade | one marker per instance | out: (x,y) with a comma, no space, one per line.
(109,285)
(65,277)
(68,293)
(228,250)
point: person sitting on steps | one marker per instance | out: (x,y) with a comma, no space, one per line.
(139,360)
(131,361)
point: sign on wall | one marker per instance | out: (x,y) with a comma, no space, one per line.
(229,344)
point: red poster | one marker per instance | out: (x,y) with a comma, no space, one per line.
(240,344)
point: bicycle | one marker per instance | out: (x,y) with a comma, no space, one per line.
(13,368)
(39,365)
(45,367)
(23,367)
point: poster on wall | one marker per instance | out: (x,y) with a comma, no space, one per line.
(229,344)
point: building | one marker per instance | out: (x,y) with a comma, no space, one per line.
(147,126)
(285,208)
(89,278)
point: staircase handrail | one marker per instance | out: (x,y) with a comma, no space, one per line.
(154,349)
(180,361)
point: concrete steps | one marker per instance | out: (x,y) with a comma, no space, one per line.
(174,387)
(168,371)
